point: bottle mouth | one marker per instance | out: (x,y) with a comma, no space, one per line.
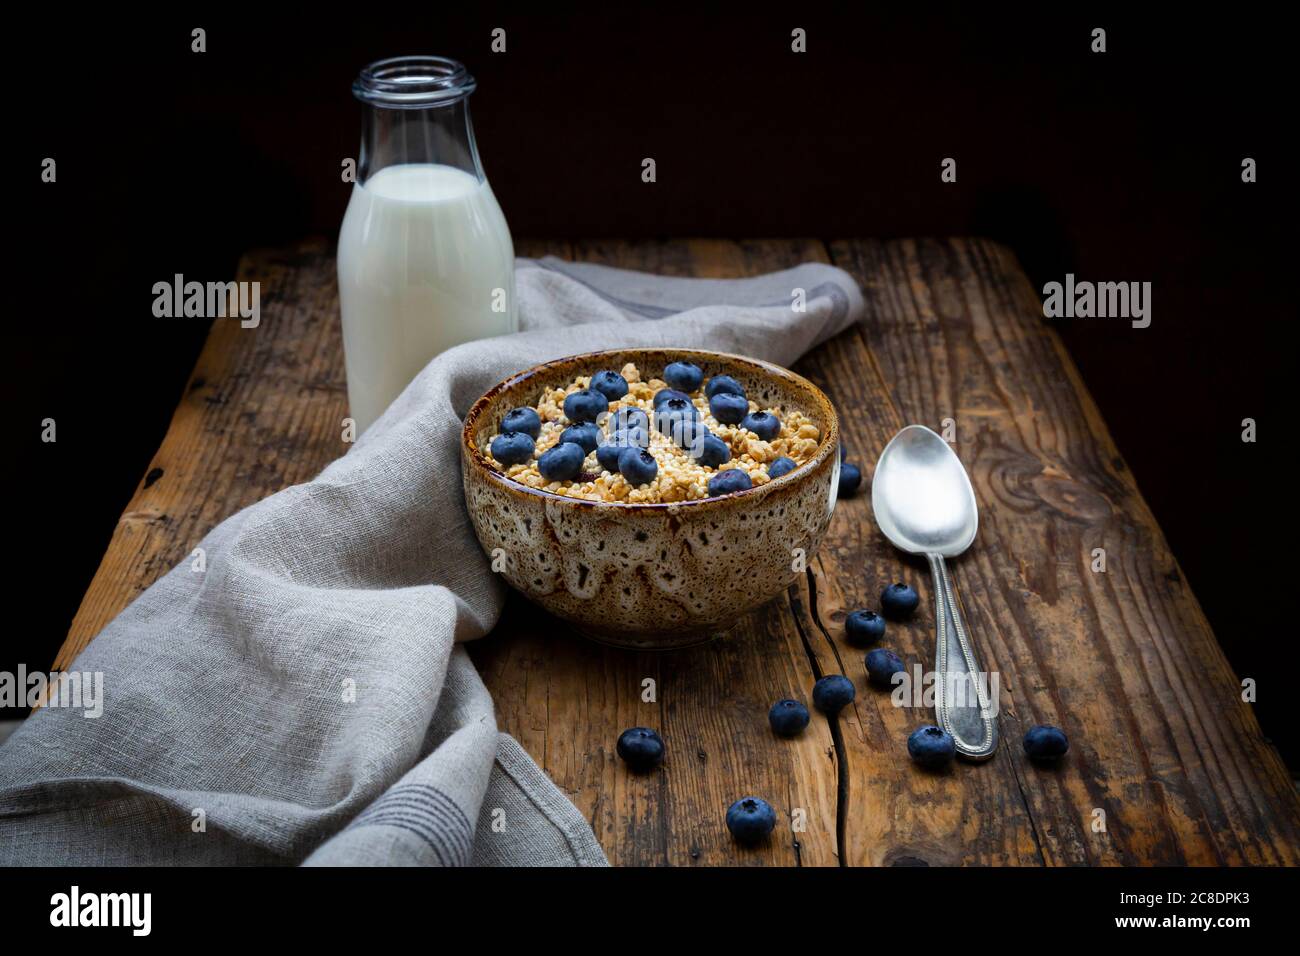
(413,82)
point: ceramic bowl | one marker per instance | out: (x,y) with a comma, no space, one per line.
(651,575)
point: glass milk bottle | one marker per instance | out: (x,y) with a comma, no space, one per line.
(425,259)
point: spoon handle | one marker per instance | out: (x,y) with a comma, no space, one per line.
(961,700)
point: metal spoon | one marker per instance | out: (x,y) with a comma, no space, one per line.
(924,503)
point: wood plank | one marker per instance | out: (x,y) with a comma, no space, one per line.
(567,700)
(1124,661)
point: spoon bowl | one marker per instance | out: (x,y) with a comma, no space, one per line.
(922,497)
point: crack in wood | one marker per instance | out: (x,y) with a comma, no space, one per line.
(837,735)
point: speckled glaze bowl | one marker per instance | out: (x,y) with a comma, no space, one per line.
(652,575)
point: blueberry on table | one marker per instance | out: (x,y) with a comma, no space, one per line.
(882,665)
(1046,743)
(782,466)
(720,384)
(638,466)
(931,747)
(586,436)
(610,384)
(850,479)
(898,601)
(522,420)
(832,693)
(629,416)
(864,627)
(641,748)
(664,394)
(561,463)
(728,408)
(751,820)
(728,482)
(675,417)
(710,451)
(763,424)
(788,718)
(684,376)
(585,406)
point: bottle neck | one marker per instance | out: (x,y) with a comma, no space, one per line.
(441,135)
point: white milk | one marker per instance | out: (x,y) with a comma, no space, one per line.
(424,254)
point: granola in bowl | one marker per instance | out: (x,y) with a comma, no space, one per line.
(680,440)
(650,496)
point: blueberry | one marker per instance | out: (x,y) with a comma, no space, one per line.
(664,394)
(898,601)
(629,416)
(728,408)
(610,384)
(788,718)
(675,417)
(513,448)
(724,383)
(634,436)
(729,481)
(850,479)
(607,455)
(710,451)
(684,376)
(638,466)
(751,819)
(882,665)
(686,432)
(763,424)
(864,627)
(586,435)
(1046,743)
(782,466)
(561,463)
(931,747)
(525,420)
(641,748)
(832,694)
(585,406)
(700,443)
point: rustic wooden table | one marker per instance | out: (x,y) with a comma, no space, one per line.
(1167,764)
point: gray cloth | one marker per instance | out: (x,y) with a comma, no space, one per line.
(304,698)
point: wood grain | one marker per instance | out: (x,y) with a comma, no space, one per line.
(1124,660)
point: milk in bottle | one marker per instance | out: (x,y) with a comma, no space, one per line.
(425,260)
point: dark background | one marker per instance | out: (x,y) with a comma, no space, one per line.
(1117,166)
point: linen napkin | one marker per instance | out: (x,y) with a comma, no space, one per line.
(306,699)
